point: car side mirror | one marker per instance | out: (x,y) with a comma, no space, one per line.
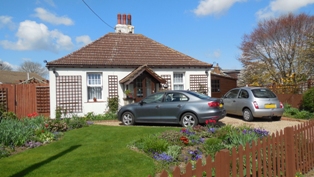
(141,102)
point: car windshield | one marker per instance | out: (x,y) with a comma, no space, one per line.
(263,93)
(199,95)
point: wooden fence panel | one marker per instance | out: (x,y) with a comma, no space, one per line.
(23,99)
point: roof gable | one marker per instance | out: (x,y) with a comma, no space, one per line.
(126,50)
(135,73)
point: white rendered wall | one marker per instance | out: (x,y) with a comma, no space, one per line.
(100,106)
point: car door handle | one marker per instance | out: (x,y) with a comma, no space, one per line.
(157,106)
(179,106)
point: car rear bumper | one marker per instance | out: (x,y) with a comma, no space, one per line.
(217,115)
(259,113)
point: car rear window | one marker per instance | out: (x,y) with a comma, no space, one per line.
(263,93)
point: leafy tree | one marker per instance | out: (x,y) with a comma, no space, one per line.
(33,67)
(275,49)
(5,66)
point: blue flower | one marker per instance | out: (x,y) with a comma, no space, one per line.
(163,157)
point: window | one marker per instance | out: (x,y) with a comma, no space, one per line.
(178,81)
(244,94)
(232,93)
(94,86)
(174,97)
(155,98)
(263,93)
(215,85)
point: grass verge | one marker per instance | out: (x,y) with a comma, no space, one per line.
(90,151)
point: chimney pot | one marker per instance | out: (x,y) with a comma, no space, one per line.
(129,20)
(119,18)
(124,19)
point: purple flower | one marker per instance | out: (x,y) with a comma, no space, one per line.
(163,157)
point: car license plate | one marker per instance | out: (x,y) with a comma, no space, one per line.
(270,106)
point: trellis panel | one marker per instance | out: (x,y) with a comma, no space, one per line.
(69,93)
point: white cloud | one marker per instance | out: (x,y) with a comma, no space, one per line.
(14,67)
(217,53)
(216,7)
(50,2)
(52,18)
(36,36)
(85,39)
(282,6)
(6,21)
(214,54)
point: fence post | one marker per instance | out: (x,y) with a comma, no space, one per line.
(290,151)
(222,163)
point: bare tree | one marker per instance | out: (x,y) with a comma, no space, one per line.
(33,67)
(5,66)
(308,53)
(277,44)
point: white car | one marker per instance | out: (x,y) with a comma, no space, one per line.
(253,102)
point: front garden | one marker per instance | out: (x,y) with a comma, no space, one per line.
(36,145)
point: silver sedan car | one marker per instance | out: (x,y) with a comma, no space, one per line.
(183,107)
(253,102)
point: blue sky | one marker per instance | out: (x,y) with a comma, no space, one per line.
(208,30)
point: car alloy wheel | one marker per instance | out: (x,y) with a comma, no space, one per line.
(247,115)
(189,120)
(128,118)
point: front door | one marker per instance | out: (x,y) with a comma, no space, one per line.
(143,87)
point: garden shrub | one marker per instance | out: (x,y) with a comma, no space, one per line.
(213,145)
(290,111)
(55,125)
(2,110)
(3,151)
(308,100)
(296,113)
(174,151)
(303,115)
(152,144)
(9,115)
(172,136)
(113,104)
(14,132)
(76,122)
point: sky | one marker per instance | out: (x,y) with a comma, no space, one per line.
(207,30)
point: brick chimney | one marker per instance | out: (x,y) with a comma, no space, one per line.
(124,24)
(217,69)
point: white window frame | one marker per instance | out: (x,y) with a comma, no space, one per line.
(180,81)
(97,84)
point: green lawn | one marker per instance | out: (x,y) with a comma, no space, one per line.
(91,151)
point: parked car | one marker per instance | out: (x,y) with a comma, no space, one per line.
(253,102)
(183,107)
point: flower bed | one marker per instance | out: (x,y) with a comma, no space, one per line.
(177,148)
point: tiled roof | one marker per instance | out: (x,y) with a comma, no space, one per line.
(126,50)
(134,74)
(14,77)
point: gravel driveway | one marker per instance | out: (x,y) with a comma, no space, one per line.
(267,124)
(271,126)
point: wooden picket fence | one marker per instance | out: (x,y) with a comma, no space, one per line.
(282,154)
